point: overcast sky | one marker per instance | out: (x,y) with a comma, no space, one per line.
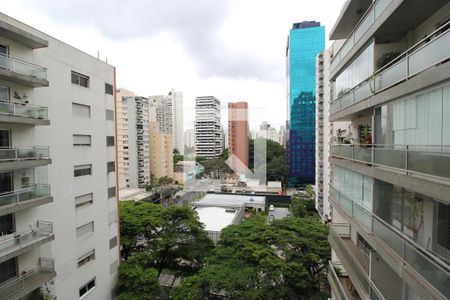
(231,49)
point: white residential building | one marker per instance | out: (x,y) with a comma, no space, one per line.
(208,129)
(175,102)
(58,206)
(133,147)
(390,179)
(189,138)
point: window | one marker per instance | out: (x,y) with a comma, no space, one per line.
(109,115)
(109,89)
(112,242)
(111,192)
(81,111)
(109,141)
(110,166)
(113,267)
(112,217)
(87,287)
(85,229)
(84,200)
(84,259)
(80,79)
(82,170)
(81,140)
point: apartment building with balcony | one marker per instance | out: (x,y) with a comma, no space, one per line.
(161,137)
(390,185)
(208,129)
(133,145)
(58,206)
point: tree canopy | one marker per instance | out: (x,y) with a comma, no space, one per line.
(258,260)
(154,239)
(276,168)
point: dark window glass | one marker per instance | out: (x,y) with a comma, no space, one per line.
(109,89)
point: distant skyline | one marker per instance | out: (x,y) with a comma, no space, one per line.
(233,50)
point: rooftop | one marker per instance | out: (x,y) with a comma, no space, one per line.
(133,194)
(231,200)
(216,218)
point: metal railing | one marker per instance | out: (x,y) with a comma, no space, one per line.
(425,263)
(24,153)
(20,240)
(28,279)
(22,67)
(369,18)
(428,160)
(19,196)
(332,276)
(23,110)
(426,53)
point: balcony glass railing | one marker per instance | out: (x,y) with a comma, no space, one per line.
(23,110)
(24,153)
(428,160)
(372,14)
(22,67)
(425,263)
(334,277)
(19,240)
(29,280)
(430,51)
(21,196)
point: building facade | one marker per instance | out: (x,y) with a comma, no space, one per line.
(58,206)
(189,138)
(238,136)
(305,41)
(161,138)
(133,145)
(390,181)
(208,129)
(175,102)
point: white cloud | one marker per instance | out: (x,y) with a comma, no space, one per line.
(234,50)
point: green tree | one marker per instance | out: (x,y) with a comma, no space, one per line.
(276,167)
(173,239)
(137,280)
(302,206)
(257,260)
(177,156)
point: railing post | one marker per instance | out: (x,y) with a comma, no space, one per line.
(14,109)
(406,159)
(16,154)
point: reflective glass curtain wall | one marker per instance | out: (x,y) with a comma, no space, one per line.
(306,41)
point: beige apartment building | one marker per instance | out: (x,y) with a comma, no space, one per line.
(161,137)
(133,158)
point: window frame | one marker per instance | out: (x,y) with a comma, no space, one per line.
(76,79)
(80,172)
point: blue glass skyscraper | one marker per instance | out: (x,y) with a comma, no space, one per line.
(305,41)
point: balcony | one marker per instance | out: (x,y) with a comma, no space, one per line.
(18,243)
(17,200)
(21,158)
(353,261)
(427,53)
(23,113)
(21,36)
(339,283)
(22,72)
(430,161)
(30,280)
(418,263)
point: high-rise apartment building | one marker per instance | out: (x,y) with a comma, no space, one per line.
(390,184)
(238,136)
(133,146)
(325,132)
(208,129)
(161,142)
(305,41)
(189,138)
(58,206)
(175,102)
